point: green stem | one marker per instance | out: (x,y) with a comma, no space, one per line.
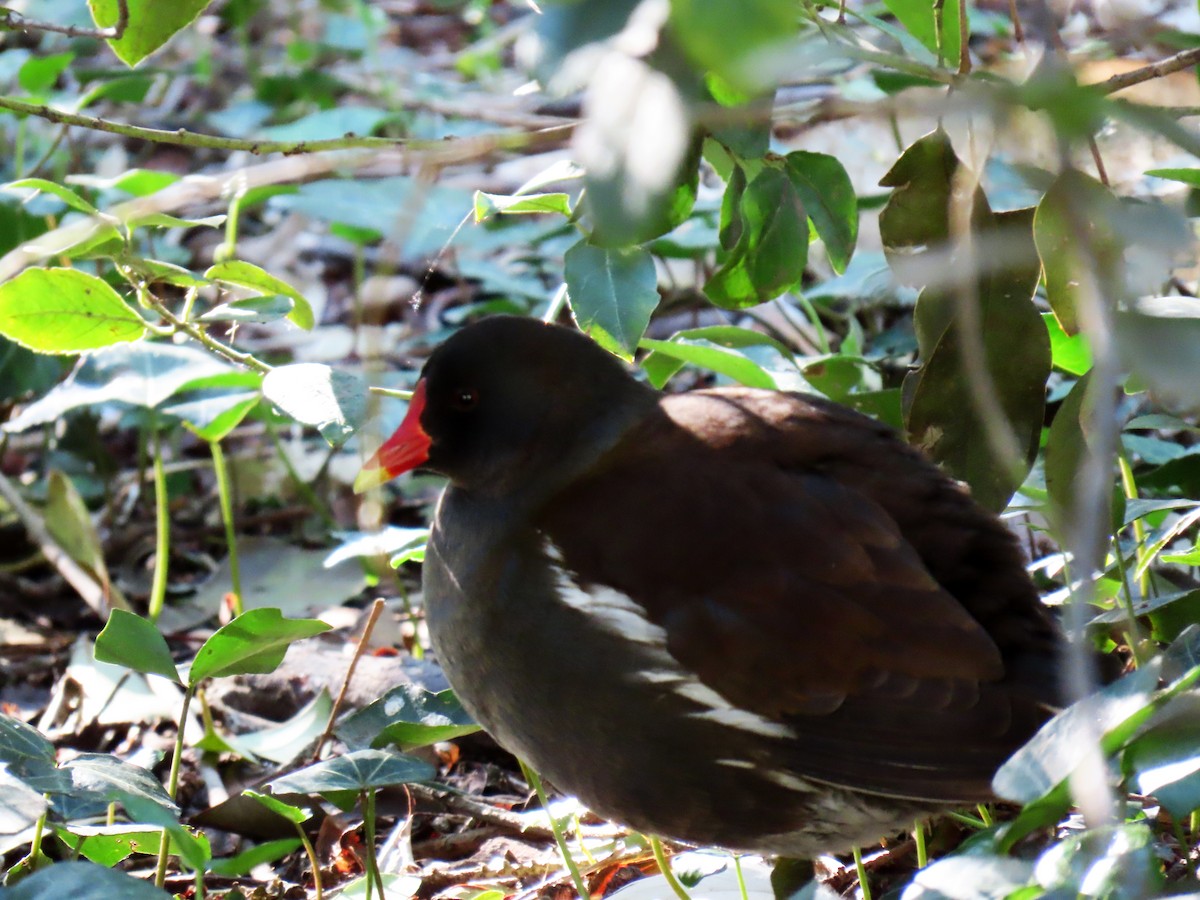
(967,820)
(664,867)
(1184,849)
(985,815)
(225,494)
(818,326)
(196,333)
(863,887)
(313,861)
(35,852)
(374,876)
(741,877)
(535,781)
(922,848)
(164,847)
(162,517)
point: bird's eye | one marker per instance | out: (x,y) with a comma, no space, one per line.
(464,399)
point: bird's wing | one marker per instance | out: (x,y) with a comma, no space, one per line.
(796,597)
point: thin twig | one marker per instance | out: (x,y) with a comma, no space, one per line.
(481,811)
(363,641)
(181,137)
(196,189)
(11,20)
(1176,63)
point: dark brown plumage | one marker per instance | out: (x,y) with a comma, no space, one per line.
(733,616)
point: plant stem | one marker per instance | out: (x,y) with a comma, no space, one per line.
(741,877)
(861,871)
(373,873)
(225,495)
(162,544)
(313,861)
(664,867)
(922,849)
(535,781)
(164,847)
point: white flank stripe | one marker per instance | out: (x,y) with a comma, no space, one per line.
(736,763)
(789,781)
(746,721)
(608,608)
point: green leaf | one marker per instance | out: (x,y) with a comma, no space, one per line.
(409,717)
(921,19)
(70,524)
(266,308)
(165,220)
(946,414)
(65,194)
(156,270)
(915,223)
(983,376)
(135,182)
(282,742)
(192,848)
(1060,747)
(253,643)
(770,226)
(151,24)
(1187,176)
(1066,448)
(242,863)
(970,875)
(1159,340)
(212,418)
(715,357)
(108,845)
(360,770)
(294,814)
(728,39)
(487,205)
(613,291)
(102,778)
(1071,353)
(20,742)
(829,199)
(65,311)
(38,74)
(315,394)
(639,150)
(83,881)
(1166,763)
(23,805)
(136,643)
(250,276)
(1074,233)
(142,375)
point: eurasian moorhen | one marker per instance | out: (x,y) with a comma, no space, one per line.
(732,617)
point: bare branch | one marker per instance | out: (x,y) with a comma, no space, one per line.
(11,20)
